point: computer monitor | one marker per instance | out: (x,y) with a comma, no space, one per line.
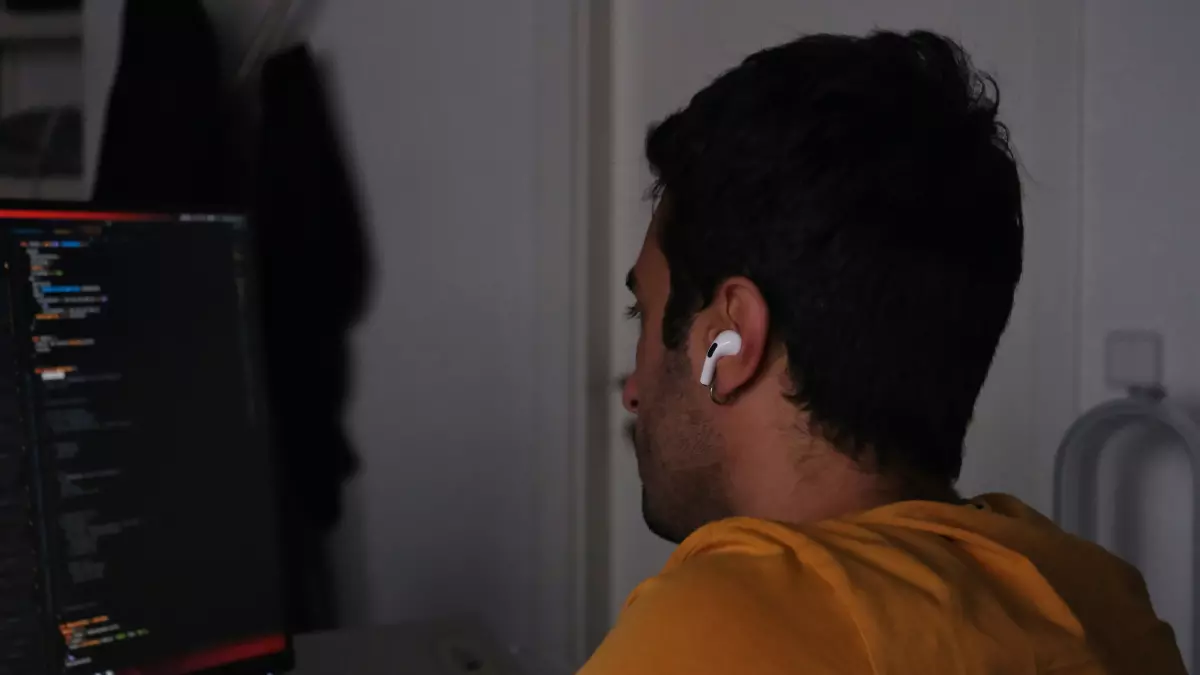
(138,504)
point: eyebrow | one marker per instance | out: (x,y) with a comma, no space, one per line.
(631,281)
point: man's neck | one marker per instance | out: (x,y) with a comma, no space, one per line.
(785,483)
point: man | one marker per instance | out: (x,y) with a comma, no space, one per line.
(851,208)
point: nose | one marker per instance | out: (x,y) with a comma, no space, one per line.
(629,395)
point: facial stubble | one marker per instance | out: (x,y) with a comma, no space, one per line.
(679,456)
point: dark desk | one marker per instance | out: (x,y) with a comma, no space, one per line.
(440,648)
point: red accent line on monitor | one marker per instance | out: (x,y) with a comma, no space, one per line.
(216,656)
(125,216)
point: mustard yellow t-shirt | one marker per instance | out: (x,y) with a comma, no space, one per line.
(912,588)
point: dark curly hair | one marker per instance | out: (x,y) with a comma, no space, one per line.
(867,188)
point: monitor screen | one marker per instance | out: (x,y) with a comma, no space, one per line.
(138,507)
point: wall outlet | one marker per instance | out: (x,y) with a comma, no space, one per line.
(1133,359)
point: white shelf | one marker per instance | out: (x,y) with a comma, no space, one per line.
(32,74)
(23,27)
(53,189)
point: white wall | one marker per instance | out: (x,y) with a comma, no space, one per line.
(441,135)
(664,51)
(461,378)
(1141,170)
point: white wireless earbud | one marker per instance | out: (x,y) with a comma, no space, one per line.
(728,343)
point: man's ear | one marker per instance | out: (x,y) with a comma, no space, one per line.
(739,306)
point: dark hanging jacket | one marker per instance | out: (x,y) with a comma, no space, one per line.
(314,268)
(166,134)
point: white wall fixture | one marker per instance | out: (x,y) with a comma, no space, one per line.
(1081,495)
